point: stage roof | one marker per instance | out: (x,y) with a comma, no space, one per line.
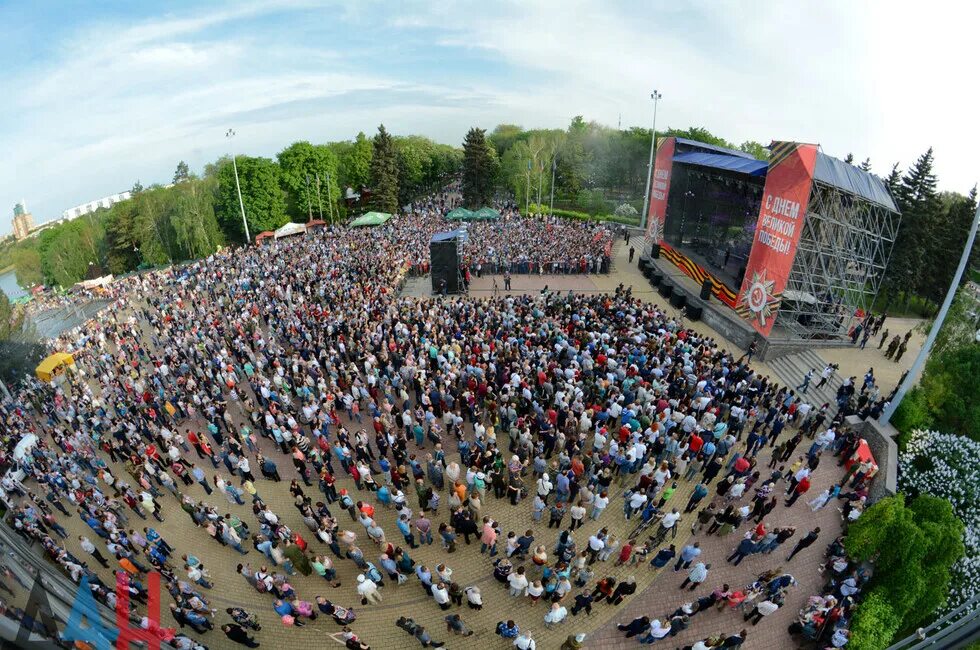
(449,236)
(749,166)
(711,147)
(849,178)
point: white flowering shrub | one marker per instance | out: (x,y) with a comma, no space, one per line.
(625,210)
(948,466)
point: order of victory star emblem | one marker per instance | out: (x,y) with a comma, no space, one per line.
(759,299)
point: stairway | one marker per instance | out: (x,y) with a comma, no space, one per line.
(791,368)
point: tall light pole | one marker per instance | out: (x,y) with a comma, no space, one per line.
(554,165)
(309,202)
(540,175)
(936,325)
(655,96)
(319,200)
(527,189)
(330,201)
(238,188)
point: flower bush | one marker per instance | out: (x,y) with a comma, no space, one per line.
(948,466)
(625,210)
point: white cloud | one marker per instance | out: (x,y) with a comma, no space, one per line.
(124,101)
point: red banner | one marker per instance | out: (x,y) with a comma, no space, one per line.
(777,233)
(660,189)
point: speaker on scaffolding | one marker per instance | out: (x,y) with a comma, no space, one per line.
(444,262)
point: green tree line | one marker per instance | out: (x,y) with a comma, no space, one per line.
(195,215)
(596,167)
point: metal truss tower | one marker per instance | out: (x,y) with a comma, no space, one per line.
(844,248)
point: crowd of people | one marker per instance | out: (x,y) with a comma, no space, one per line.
(201,386)
(515,243)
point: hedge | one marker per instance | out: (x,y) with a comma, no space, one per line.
(583,216)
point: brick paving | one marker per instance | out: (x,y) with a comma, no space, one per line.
(657,593)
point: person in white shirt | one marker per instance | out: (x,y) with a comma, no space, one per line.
(636,503)
(556,615)
(441,595)
(518,582)
(524,641)
(368,590)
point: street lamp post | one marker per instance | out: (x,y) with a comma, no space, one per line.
(238,188)
(655,96)
(330,201)
(527,190)
(319,201)
(309,203)
(551,203)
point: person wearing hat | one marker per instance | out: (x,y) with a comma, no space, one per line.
(368,590)
(573,642)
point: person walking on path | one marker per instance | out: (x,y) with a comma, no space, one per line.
(805,384)
(688,554)
(801,488)
(825,375)
(745,548)
(809,539)
(90,548)
(697,575)
(238,634)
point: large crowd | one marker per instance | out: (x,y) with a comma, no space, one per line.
(302,355)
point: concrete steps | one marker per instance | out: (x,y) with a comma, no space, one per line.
(791,368)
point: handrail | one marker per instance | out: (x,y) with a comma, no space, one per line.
(958,626)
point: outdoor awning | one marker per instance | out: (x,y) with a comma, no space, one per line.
(370,219)
(483,214)
(53,365)
(290,229)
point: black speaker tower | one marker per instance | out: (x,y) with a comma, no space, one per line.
(444,263)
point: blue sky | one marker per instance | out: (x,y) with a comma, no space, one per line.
(97,95)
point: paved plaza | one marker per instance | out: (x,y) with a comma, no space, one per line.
(658,593)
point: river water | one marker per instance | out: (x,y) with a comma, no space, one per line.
(8,284)
(52,322)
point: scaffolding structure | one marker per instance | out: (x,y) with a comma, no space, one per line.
(845,244)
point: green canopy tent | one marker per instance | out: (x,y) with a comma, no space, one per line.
(370,219)
(483,214)
(459,214)
(486,214)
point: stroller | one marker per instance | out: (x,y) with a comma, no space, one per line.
(343,615)
(243,618)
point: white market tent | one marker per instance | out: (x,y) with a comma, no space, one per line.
(290,229)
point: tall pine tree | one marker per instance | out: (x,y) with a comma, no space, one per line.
(384,173)
(849,159)
(917,241)
(479,169)
(892,181)
(866,165)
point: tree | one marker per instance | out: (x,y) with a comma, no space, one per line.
(919,202)
(355,163)
(754,148)
(912,547)
(384,173)
(300,164)
(849,158)
(952,398)
(27,265)
(504,136)
(893,180)
(262,195)
(866,165)
(479,169)
(183,173)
